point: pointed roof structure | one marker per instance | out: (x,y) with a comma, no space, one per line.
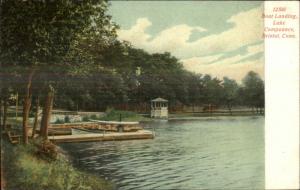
(159,100)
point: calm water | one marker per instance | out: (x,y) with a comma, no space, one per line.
(220,153)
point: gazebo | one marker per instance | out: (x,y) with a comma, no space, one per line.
(159,108)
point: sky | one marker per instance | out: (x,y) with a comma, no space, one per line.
(220,38)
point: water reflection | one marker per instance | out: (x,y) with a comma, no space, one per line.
(226,153)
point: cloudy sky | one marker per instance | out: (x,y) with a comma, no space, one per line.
(211,37)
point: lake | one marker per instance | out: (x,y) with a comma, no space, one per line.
(209,153)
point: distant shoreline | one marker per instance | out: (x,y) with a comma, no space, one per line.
(200,116)
(210,117)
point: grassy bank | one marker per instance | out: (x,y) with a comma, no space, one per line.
(213,114)
(114,115)
(24,169)
(117,115)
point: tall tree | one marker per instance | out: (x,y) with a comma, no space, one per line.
(253,90)
(212,90)
(40,34)
(230,91)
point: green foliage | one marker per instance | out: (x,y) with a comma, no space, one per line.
(85,118)
(59,121)
(116,115)
(230,92)
(94,117)
(253,90)
(160,76)
(43,32)
(75,47)
(67,119)
(25,170)
(51,39)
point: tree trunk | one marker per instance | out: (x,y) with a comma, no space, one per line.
(4,114)
(1,108)
(36,117)
(47,113)
(229,108)
(26,108)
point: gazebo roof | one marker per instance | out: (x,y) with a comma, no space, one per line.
(159,100)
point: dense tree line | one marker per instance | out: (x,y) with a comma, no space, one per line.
(129,78)
(66,54)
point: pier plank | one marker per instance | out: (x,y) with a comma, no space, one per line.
(142,134)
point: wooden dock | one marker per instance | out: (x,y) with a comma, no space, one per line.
(111,126)
(141,134)
(116,122)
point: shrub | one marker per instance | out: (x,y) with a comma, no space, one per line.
(115,115)
(94,117)
(67,119)
(85,118)
(59,121)
(47,150)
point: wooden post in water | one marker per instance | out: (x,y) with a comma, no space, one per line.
(17,99)
(153,130)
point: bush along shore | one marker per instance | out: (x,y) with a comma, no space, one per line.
(109,115)
(40,165)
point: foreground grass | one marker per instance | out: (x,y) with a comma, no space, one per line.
(24,170)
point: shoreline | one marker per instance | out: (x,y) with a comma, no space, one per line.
(186,116)
(200,116)
(86,154)
(211,117)
(24,167)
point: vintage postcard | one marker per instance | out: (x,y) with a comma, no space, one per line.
(187,95)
